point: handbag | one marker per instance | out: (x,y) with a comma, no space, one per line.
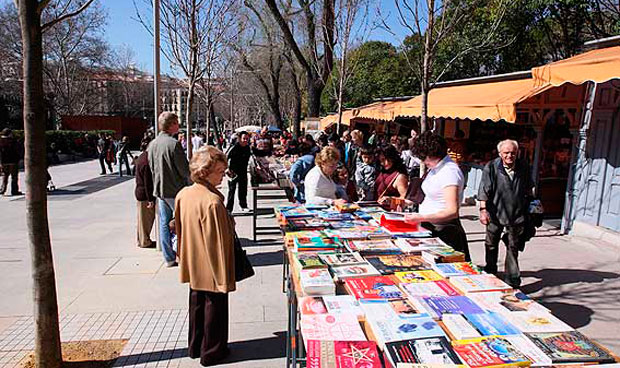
(243,266)
(414,192)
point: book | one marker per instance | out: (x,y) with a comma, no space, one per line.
(316,243)
(308,260)
(569,347)
(356,270)
(342,354)
(346,207)
(434,351)
(391,308)
(536,356)
(317,281)
(296,212)
(336,304)
(374,246)
(456,269)
(491,323)
(373,287)
(347,224)
(312,305)
(359,232)
(306,224)
(439,305)
(397,328)
(290,237)
(489,351)
(458,328)
(331,327)
(431,288)
(443,255)
(340,259)
(418,276)
(395,221)
(478,283)
(506,301)
(537,322)
(410,245)
(328,215)
(388,264)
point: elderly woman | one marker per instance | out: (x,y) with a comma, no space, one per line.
(318,186)
(393,180)
(443,190)
(205,236)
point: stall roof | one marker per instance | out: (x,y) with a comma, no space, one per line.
(597,66)
(329,120)
(380,110)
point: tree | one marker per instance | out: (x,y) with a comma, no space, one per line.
(319,60)
(47,334)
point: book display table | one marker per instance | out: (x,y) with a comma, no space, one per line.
(401,300)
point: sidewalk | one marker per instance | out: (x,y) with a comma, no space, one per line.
(109,288)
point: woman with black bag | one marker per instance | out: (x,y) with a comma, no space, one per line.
(442,187)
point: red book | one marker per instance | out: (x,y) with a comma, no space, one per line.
(342,354)
(373,287)
(395,222)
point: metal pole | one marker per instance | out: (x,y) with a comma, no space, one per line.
(156,65)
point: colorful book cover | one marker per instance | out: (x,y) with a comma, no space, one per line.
(388,264)
(506,301)
(456,269)
(312,305)
(489,351)
(335,216)
(337,304)
(374,246)
(385,309)
(317,243)
(431,288)
(341,259)
(434,351)
(331,327)
(537,322)
(359,232)
(306,224)
(418,276)
(347,224)
(292,235)
(346,207)
(530,350)
(479,283)
(458,327)
(571,346)
(371,209)
(296,212)
(373,287)
(422,233)
(308,260)
(439,305)
(443,255)
(356,270)
(410,245)
(342,354)
(491,323)
(393,329)
(316,281)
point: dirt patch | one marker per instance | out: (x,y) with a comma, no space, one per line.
(85,354)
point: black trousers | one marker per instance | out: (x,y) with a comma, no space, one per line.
(7,170)
(208,326)
(512,241)
(240,181)
(102,162)
(452,233)
(124,159)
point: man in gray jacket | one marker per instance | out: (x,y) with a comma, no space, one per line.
(170,174)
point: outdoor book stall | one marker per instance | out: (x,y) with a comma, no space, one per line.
(367,289)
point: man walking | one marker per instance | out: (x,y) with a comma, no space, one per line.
(144,196)
(238,158)
(170,174)
(103,146)
(10,154)
(504,196)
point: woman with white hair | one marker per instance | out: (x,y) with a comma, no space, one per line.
(205,236)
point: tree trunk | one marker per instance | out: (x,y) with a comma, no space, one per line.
(47,335)
(315,89)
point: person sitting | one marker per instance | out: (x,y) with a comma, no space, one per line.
(393,180)
(300,169)
(319,187)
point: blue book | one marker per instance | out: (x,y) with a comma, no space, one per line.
(439,305)
(393,329)
(491,323)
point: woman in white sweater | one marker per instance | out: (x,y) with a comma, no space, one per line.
(319,187)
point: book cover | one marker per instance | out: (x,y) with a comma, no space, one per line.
(410,245)
(346,207)
(336,304)
(359,232)
(355,270)
(530,350)
(317,243)
(443,255)
(395,221)
(434,351)
(308,260)
(347,224)
(373,287)
(374,246)
(458,328)
(312,305)
(478,283)
(506,301)
(491,323)
(306,224)
(421,233)
(342,354)
(335,216)
(385,309)
(296,212)
(317,281)
(401,329)
(439,305)
(418,276)
(431,288)
(456,269)
(489,351)
(571,346)
(388,264)
(537,322)
(331,327)
(341,259)
(292,235)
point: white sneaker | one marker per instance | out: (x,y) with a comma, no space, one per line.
(246,210)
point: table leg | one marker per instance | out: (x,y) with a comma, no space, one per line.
(294,340)
(254,209)
(284,269)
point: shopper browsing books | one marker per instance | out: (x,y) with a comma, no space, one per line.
(300,169)
(392,181)
(443,190)
(319,186)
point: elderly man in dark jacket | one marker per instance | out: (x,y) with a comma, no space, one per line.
(10,154)
(504,195)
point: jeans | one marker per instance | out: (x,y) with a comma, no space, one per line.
(166,210)
(242,181)
(491,244)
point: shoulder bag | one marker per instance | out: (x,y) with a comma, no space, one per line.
(243,266)
(414,192)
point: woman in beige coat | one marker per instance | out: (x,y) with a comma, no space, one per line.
(205,236)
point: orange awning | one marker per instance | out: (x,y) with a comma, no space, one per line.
(382,110)
(333,119)
(597,66)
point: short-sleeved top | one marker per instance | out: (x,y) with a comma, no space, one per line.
(446,173)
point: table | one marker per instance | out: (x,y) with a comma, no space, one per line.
(272,190)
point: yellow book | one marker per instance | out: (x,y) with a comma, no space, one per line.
(418,276)
(489,351)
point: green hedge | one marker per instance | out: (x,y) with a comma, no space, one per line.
(68,141)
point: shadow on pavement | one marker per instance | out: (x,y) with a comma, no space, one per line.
(266,259)
(574,315)
(87,187)
(247,243)
(550,277)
